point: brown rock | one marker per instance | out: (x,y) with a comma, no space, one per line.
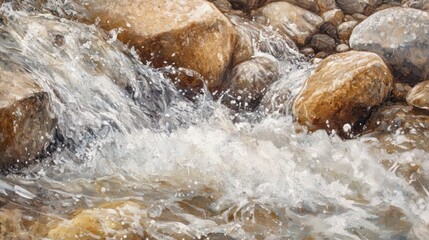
(359,17)
(342,90)
(418,96)
(345,30)
(348,18)
(243,47)
(192,34)
(248,5)
(321,55)
(109,221)
(26,121)
(357,6)
(334,16)
(308,51)
(323,42)
(326,5)
(250,80)
(400,91)
(329,29)
(294,21)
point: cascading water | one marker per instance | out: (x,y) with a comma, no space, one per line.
(125,134)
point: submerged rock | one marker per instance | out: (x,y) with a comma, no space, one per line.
(400,36)
(342,91)
(250,80)
(26,122)
(191,34)
(296,22)
(117,220)
(418,96)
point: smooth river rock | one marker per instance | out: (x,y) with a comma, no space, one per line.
(342,90)
(192,34)
(401,37)
(248,5)
(418,96)
(26,122)
(296,22)
(357,6)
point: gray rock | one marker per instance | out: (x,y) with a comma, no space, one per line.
(400,36)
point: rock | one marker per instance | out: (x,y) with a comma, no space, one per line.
(323,42)
(296,22)
(345,30)
(400,91)
(26,122)
(329,29)
(418,4)
(359,17)
(326,5)
(418,96)
(400,36)
(248,5)
(334,16)
(321,55)
(357,6)
(342,48)
(223,5)
(250,80)
(399,128)
(265,39)
(348,18)
(308,51)
(108,221)
(243,47)
(342,90)
(192,34)
(216,236)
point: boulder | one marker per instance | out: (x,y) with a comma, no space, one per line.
(418,96)
(296,22)
(400,36)
(192,34)
(26,122)
(341,92)
(358,6)
(250,80)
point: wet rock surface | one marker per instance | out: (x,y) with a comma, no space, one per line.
(27,123)
(192,34)
(418,96)
(342,90)
(400,36)
(296,22)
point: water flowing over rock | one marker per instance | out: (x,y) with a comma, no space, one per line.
(192,34)
(250,80)
(294,21)
(400,36)
(341,92)
(266,40)
(27,123)
(418,96)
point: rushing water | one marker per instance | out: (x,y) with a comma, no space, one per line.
(126,135)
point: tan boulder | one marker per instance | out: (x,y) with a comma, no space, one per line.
(345,30)
(26,121)
(296,22)
(192,34)
(342,90)
(418,96)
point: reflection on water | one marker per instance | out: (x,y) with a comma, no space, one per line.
(134,160)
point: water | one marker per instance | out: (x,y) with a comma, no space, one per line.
(177,169)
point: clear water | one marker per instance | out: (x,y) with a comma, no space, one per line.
(128,135)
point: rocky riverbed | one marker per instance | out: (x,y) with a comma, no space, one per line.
(224,119)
